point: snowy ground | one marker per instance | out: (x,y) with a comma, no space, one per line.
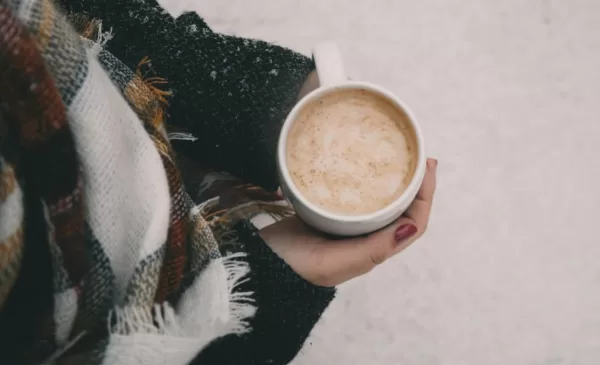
(507,93)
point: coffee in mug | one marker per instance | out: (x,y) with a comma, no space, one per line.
(351,152)
(351,156)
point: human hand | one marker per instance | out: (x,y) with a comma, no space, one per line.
(328,262)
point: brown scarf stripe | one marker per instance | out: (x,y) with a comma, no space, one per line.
(8,181)
(39,114)
(175,256)
(11,246)
(45,26)
(11,250)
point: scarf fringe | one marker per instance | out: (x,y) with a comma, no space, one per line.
(182,136)
(162,319)
(241,304)
(101,39)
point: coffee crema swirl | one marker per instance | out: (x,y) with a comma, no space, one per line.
(351,152)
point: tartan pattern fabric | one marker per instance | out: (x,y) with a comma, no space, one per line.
(147,102)
(137,272)
(38,113)
(11,229)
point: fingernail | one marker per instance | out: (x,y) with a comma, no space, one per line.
(404,232)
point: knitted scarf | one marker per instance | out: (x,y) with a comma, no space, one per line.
(136,271)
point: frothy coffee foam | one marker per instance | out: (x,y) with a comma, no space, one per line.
(351,152)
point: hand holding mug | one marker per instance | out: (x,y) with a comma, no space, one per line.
(351,161)
(325,261)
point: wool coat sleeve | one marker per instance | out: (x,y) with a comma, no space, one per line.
(231,93)
(288,307)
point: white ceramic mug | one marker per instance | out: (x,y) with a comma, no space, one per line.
(332,77)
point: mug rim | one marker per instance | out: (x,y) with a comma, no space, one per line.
(315,94)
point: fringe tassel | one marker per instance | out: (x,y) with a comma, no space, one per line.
(101,39)
(278,210)
(151,82)
(181,136)
(163,320)
(240,303)
(84,25)
(159,320)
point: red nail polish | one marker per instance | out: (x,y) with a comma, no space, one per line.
(404,232)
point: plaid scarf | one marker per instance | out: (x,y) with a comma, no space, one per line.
(137,274)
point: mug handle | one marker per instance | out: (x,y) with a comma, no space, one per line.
(330,67)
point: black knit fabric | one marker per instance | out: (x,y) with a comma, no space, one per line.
(231,93)
(287,309)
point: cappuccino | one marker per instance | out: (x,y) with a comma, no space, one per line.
(351,152)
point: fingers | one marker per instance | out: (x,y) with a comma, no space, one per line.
(420,208)
(367,252)
(427,189)
(356,256)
